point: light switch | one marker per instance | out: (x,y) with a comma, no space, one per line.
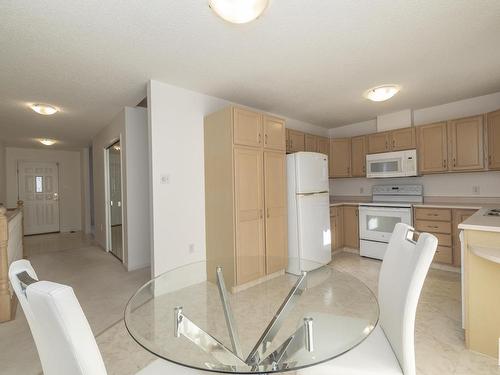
(165,179)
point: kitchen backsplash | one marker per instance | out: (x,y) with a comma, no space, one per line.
(477,184)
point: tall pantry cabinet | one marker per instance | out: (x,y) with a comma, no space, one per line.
(245,195)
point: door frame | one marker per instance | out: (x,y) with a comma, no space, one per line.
(107,197)
(19,161)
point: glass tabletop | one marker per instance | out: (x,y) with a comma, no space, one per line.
(286,322)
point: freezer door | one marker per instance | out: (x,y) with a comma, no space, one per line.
(311,172)
(314,230)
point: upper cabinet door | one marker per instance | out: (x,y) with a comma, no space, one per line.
(358,156)
(247,127)
(296,141)
(432,144)
(379,142)
(403,139)
(274,133)
(311,143)
(466,142)
(249,204)
(324,146)
(494,140)
(340,157)
(275,211)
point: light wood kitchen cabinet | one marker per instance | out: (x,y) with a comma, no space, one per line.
(249,204)
(379,142)
(358,156)
(337,227)
(351,227)
(403,139)
(311,143)
(247,127)
(459,215)
(324,145)
(432,144)
(245,195)
(274,133)
(438,222)
(295,141)
(275,211)
(340,157)
(466,140)
(493,130)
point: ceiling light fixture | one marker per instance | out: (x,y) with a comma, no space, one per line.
(47,141)
(381,93)
(238,11)
(44,109)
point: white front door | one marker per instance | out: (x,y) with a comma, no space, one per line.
(39,190)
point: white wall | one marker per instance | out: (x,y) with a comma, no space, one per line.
(3,185)
(455,184)
(130,127)
(70,196)
(137,187)
(85,168)
(176,141)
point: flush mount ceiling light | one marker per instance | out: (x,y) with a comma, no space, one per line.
(47,141)
(238,11)
(44,109)
(381,93)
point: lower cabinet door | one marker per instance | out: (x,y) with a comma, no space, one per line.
(276,211)
(249,204)
(351,227)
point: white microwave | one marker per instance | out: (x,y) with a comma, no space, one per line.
(392,164)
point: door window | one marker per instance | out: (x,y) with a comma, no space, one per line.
(38,184)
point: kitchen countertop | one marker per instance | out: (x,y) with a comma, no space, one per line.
(480,222)
(465,205)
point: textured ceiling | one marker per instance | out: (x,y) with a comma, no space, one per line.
(310,60)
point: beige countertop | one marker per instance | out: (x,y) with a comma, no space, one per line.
(435,204)
(480,222)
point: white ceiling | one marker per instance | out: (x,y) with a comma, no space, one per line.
(309,60)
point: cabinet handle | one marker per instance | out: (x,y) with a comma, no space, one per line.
(261,214)
(259,138)
(393,143)
(444,163)
(432,215)
(265,139)
(454,162)
(268,213)
(348,170)
(386,145)
(433,226)
(489,160)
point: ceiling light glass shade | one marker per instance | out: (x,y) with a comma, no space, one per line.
(44,109)
(47,142)
(238,11)
(381,93)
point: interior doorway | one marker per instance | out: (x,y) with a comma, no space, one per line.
(38,188)
(114,231)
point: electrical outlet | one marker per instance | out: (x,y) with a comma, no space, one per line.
(361,190)
(191,248)
(476,189)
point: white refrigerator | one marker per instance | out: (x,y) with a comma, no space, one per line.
(309,236)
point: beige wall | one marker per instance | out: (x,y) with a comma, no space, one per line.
(3,186)
(70,196)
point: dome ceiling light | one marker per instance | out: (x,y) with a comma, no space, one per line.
(381,93)
(44,109)
(47,141)
(238,11)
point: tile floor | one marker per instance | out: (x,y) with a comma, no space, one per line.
(75,260)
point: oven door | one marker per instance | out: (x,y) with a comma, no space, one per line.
(377,223)
(390,164)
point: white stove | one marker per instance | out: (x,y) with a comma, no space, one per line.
(391,204)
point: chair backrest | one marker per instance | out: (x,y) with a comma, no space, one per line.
(402,276)
(61,332)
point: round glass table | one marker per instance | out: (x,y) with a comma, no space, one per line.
(194,317)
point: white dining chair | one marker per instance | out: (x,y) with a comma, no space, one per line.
(61,332)
(390,348)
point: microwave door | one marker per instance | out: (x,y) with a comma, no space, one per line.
(385,168)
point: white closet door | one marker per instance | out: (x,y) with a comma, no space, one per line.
(39,189)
